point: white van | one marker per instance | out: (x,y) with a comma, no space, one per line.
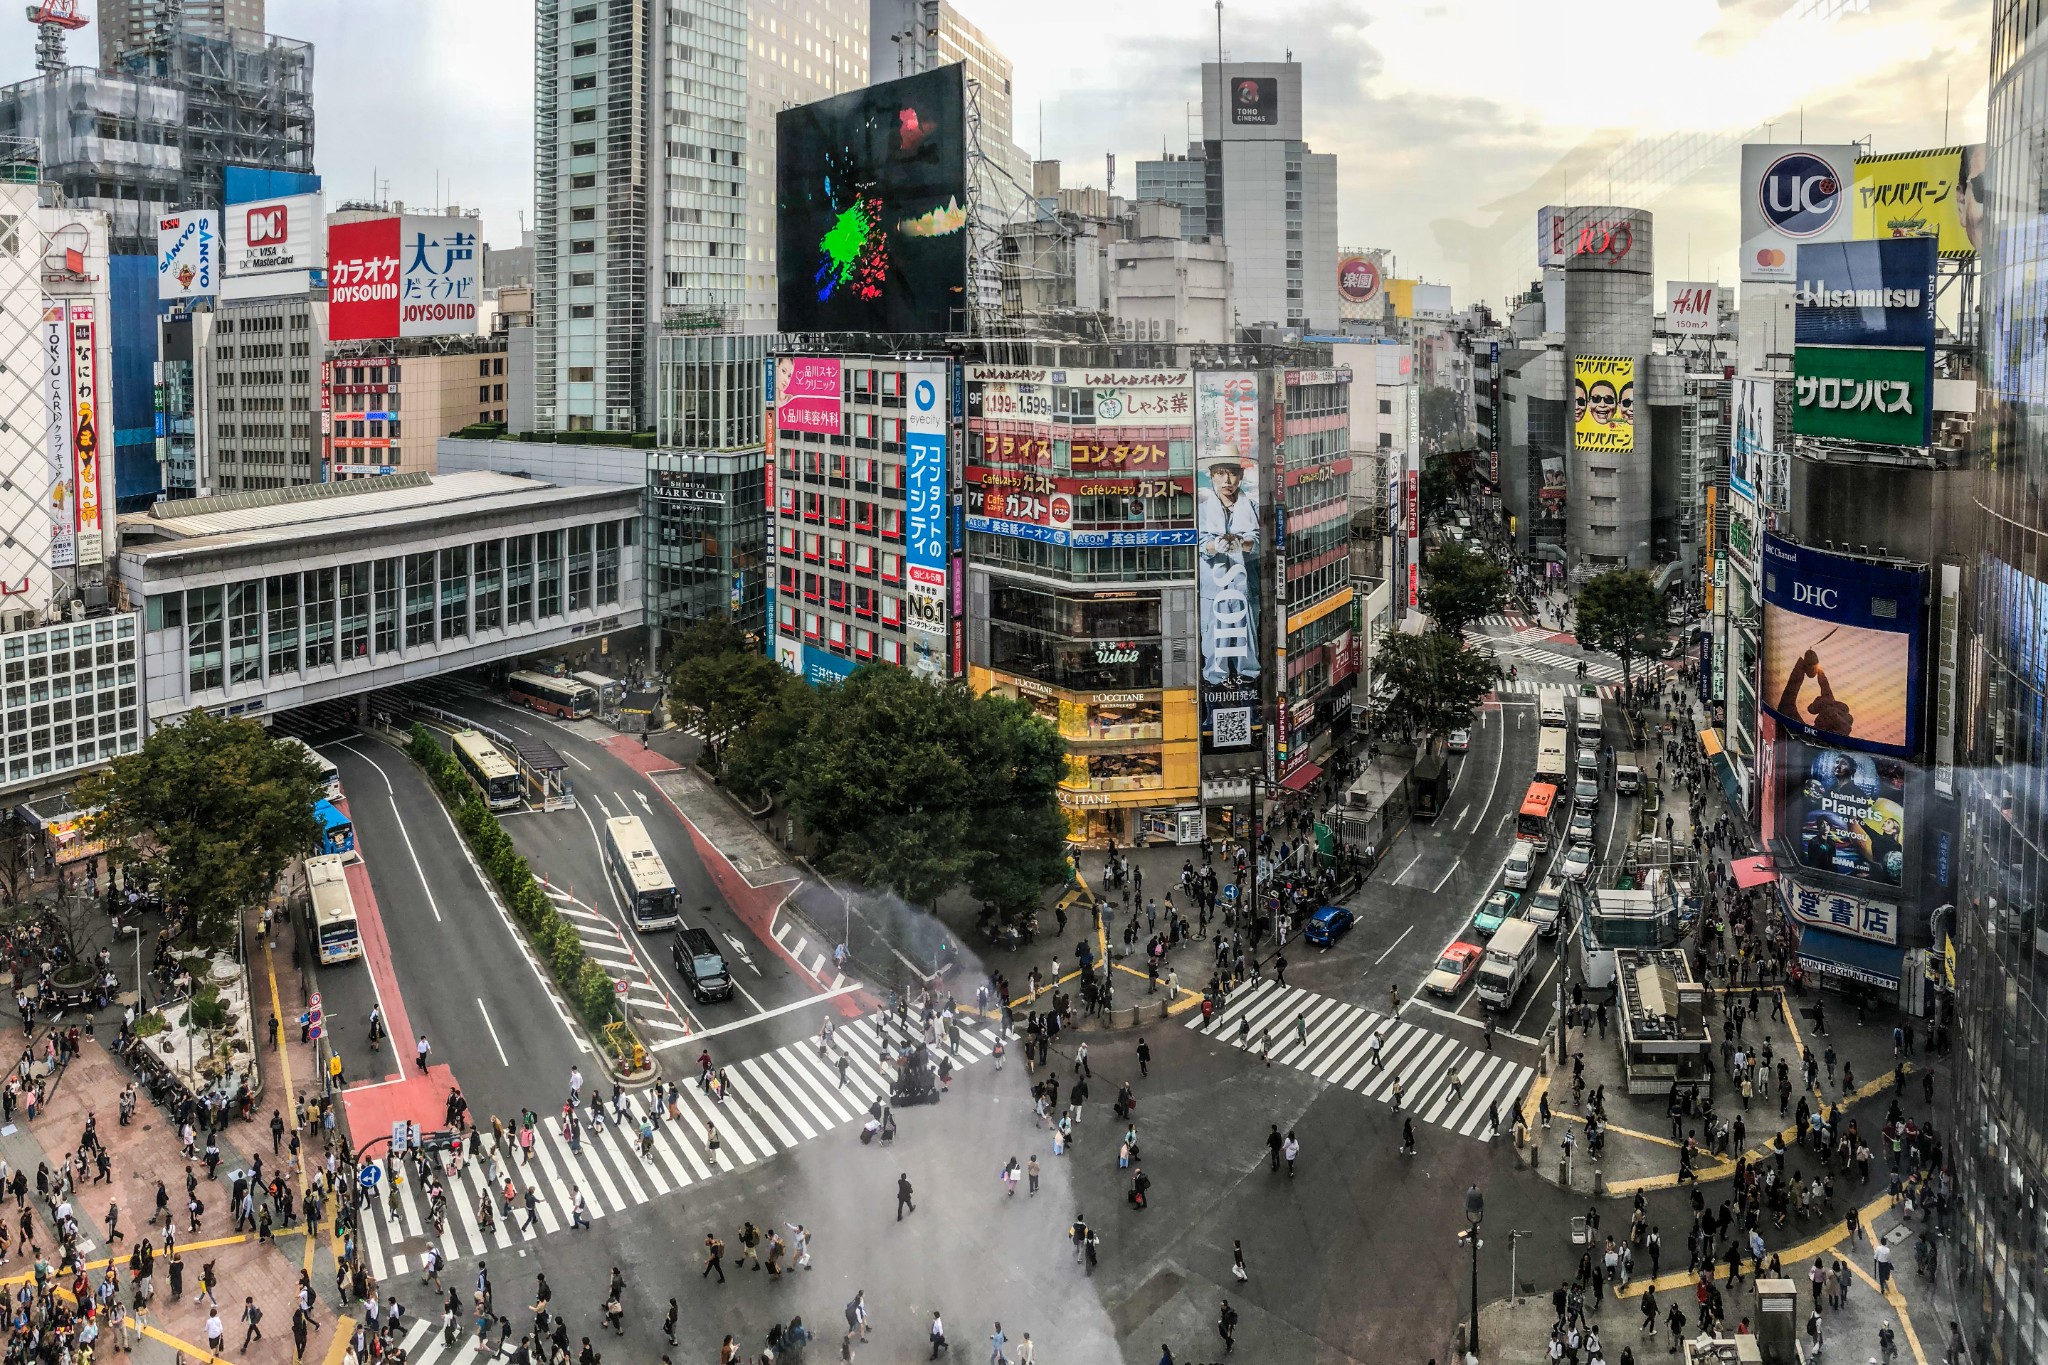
(1521,865)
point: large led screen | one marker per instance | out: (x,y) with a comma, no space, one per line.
(1841,647)
(871,192)
(1845,813)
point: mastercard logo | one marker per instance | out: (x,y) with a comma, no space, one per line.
(1770,256)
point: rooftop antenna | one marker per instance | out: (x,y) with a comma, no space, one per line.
(1946,88)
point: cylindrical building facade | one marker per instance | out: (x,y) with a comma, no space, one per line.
(1609,308)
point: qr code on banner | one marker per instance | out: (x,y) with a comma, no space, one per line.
(1231,727)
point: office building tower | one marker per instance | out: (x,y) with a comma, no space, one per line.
(1271,201)
(128,25)
(1181,180)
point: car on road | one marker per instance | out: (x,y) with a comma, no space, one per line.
(1578,863)
(1674,648)
(700,964)
(1453,969)
(1460,741)
(1521,864)
(1586,795)
(1326,924)
(1546,908)
(1581,831)
(1628,779)
(1498,910)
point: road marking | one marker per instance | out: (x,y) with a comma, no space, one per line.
(502,1058)
(1391,946)
(1434,890)
(1410,868)
(645,804)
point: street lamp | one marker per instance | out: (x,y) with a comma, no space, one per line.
(1475,1214)
(140,1006)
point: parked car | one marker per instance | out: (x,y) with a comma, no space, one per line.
(1460,741)
(1453,969)
(1326,924)
(1498,910)
(1578,863)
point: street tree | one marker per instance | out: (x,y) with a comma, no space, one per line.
(1619,613)
(720,694)
(1459,586)
(1437,488)
(215,809)
(709,637)
(1431,683)
(1441,419)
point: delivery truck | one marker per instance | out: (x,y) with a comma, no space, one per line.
(1510,960)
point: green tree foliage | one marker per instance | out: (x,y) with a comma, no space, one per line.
(1438,488)
(216,809)
(1429,684)
(1441,420)
(701,639)
(1619,613)
(1459,586)
(915,786)
(719,695)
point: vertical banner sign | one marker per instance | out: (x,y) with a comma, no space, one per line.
(1227,535)
(1282,721)
(768,472)
(57,446)
(1413,464)
(924,480)
(1493,392)
(1945,682)
(85,432)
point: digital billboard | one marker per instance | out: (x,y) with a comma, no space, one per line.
(1790,195)
(1865,293)
(1841,652)
(1880,395)
(1754,438)
(807,394)
(871,228)
(924,517)
(1937,194)
(1844,813)
(1229,536)
(188,255)
(416,275)
(88,432)
(1604,403)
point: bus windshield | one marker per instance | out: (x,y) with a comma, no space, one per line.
(334,910)
(488,770)
(337,832)
(1536,821)
(641,874)
(563,697)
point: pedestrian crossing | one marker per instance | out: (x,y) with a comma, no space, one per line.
(1339,1049)
(1529,687)
(779,1100)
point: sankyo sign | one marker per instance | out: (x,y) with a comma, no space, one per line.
(1877,394)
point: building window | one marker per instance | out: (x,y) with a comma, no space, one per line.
(454,592)
(161,611)
(549,552)
(582,374)
(576,310)
(384,589)
(419,600)
(490,575)
(582,182)
(202,639)
(318,591)
(245,632)
(519,581)
(580,540)
(582,248)
(355,611)
(281,602)
(608,564)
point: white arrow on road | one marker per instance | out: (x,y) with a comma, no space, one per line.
(739,950)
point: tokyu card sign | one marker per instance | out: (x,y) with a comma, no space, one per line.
(409,276)
(1875,394)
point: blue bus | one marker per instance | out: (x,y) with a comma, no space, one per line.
(337,834)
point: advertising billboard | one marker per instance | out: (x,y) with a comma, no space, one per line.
(56,385)
(410,276)
(1692,308)
(1254,101)
(1564,231)
(271,243)
(1937,194)
(88,428)
(807,395)
(1842,914)
(924,517)
(1877,394)
(1358,280)
(1753,438)
(188,255)
(1865,293)
(1947,641)
(1791,195)
(871,188)
(1604,403)
(1841,651)
(1229,537)
(1844,813)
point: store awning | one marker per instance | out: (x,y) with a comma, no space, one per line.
(1855,959)
(1724,770)
(1299,779)
(1753,871)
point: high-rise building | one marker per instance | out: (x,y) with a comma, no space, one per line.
(126,25)
(1269,199)
(1181,180)
(2000,1124)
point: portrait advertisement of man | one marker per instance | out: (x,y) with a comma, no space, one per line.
(1227,556)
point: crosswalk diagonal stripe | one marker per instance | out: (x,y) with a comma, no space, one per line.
(1274,1005)
(810,1069)
(1233,1004)
(1453,1112)
(1404,1043)
(733,1149)
(1435,1069)
(794,1092)
(1485,1098)
(607,1159)
(1351,1045)
(1499,1099)
(1471,1074)
(578,1175)
(1337,1029)
(768,1103)
(743,1105)
(553,1185)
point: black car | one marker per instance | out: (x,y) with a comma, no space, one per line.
(700,965)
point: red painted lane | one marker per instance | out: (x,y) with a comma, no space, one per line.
(377,1099)
(755,905)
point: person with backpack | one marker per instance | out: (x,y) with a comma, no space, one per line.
(1226,1326)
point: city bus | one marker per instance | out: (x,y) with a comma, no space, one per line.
(1552,754)
(641,874)
(334,910)
(337,831)
(1538,817)
(489,771)
(330,776)
(564,697)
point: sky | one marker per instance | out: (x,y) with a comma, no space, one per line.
(1452,122)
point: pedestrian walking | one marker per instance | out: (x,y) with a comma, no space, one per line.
(253,1317)
(903,1193)
(1237,1266)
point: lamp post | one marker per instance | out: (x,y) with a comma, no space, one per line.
(140,1005)
(1475,1214)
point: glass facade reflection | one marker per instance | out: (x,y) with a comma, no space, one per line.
(2001,1123)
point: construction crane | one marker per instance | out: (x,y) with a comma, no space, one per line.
(53,19)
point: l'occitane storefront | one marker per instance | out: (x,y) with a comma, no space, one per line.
(1133,766)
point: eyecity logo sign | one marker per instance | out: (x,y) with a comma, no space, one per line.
(1800,194)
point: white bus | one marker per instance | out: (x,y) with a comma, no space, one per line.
(334,910)
(330,776)
(1551,755)
(489,771)
(642,875)
(1550,707)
